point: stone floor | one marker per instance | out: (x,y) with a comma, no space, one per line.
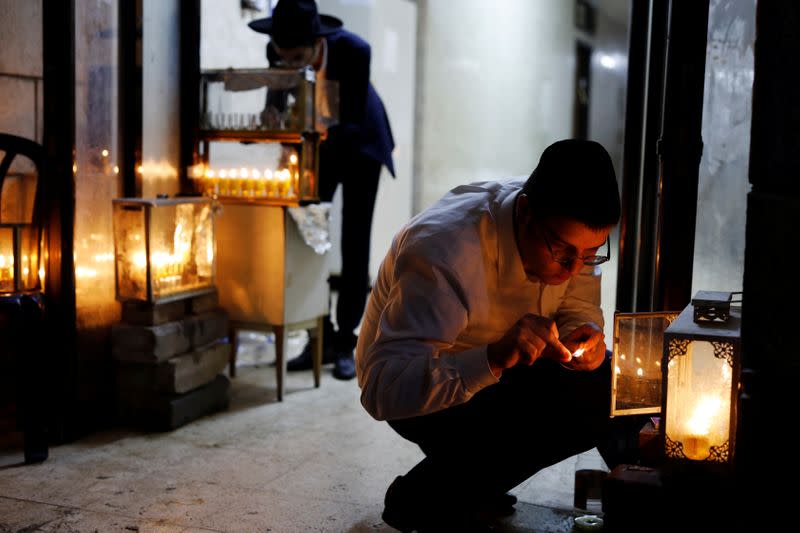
(314,462)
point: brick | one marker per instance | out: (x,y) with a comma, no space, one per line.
(159,412)
(150,344)
(204,303)
(206,328)
(177,375)
(148,314)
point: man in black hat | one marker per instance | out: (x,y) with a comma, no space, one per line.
(483,341)
(352,155)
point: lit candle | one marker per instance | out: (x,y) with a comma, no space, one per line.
(261,183)
(696,444)
(272,179)
(212,182)
(7,272)
(294,175)
(236,183)
(284,182)
(224,183)
(252,180)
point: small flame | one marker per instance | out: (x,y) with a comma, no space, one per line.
(704,414)
(578,352)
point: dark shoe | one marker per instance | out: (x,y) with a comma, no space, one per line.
(501,505)
(400,511)
(344,367)
(305,361)
(405,513)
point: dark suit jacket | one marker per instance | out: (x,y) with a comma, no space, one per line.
(363,125)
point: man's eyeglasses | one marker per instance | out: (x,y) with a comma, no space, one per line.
(297,57)
(566,260)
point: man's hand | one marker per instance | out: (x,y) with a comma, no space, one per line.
(528,339)
(589,337)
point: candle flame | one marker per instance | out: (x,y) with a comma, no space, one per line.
(704,413)
(639,372)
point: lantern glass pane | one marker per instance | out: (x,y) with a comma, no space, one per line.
(19,191)
(637,353)
(6,259)
(699,398)
(29,257)
(271,101)
(19,268)
(269,173)
(130,252)
(306,180)
(174,238)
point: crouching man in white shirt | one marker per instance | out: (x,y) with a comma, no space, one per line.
(482,339)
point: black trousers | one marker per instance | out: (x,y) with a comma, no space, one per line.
(534,417)
(358,175)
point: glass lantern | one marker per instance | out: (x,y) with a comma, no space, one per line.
(20,235)
(278,118)
(702,358)
(636,360)
(164,248)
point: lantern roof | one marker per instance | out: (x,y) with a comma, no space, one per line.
(685,326)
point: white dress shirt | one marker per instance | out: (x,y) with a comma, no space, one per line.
(451,283)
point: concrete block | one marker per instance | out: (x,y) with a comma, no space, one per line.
(21,28)
(207,327)
(18,113)
(176,376)
(148,314)
(162,412)
(204,303)
(150,344)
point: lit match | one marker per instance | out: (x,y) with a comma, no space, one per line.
(578,352)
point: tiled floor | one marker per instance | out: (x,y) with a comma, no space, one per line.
(314,462)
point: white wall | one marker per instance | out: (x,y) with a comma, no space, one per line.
(609,78)
(496,89)
(225,39)
(160,97)
(727,112)
(390,28)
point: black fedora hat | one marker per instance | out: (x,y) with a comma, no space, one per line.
(296,23)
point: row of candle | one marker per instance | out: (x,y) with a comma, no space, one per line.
(167,269)
(253,183)
(636,366)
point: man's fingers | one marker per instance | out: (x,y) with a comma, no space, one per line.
(562,351)
(550,336)
(531,349)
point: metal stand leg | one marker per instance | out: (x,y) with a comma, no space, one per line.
(318,350)
(234,340)
(280,358)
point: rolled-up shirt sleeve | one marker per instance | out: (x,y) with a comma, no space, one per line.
(581,303)
(412,367)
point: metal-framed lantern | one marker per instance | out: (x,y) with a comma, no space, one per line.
(702,369)
(164,248)
(20,230)
(636,359)
(282,115)
(21,278)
